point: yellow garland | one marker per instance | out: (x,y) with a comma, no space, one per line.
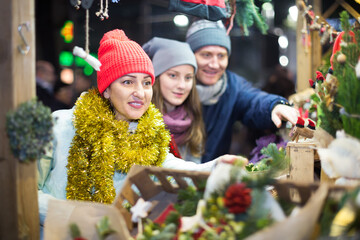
(103,145)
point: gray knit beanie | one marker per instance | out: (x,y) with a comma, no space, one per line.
(167,53)
(205,33)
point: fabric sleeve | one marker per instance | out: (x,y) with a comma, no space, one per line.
(44,166)
(51,168)
(253,106)
(176,163)
(43,200)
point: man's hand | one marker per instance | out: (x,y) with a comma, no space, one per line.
(284,112)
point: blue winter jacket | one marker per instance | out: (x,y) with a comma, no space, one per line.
(240,102)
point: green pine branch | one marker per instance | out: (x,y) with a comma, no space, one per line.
(348,96)
(247,14)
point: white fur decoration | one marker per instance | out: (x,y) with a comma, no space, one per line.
(342,157)
(95,63)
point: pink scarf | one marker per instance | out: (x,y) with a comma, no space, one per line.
(178,123)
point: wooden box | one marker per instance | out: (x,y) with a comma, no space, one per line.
(140,182)
(163,192)
(304,160)
(303,157)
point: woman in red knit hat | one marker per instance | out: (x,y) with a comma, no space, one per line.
(109,129)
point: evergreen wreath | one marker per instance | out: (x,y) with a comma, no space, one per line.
(29,129)
(103,145)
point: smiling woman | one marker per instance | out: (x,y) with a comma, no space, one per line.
(176,96)
(130,95)
(110,129)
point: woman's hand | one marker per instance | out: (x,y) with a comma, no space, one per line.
(230,159)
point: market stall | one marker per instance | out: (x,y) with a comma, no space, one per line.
(272,198)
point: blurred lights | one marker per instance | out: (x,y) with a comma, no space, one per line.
(67,76)
(66,58)
(293,13)
(268,10)
(181,20)
(67,31)
(283,60)
(88,70)
(267,6)
(283,42)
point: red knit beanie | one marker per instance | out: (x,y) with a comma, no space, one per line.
(120,56)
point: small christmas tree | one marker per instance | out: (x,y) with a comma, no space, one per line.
(348,95)
(338,96)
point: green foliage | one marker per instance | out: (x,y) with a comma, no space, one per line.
(333,207)
(103,228)
(275,161)
(337,99)
(188,200)
(263,165)
(328,214)
(74,230)
(153,231)
(348,96)
(29,129)
(247,15)
(330,121)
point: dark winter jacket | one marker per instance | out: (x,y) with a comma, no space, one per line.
(240,102)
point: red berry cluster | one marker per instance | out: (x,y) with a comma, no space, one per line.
(237,198)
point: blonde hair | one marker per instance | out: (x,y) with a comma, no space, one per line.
(195,135)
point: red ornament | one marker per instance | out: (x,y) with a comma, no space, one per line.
(162,217)
(174,148)
(319,76)
(312,83)
(300,122)
(238,198)
(311,124)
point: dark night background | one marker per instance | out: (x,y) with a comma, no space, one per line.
(252,57)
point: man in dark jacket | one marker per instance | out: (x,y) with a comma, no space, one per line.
(227,97)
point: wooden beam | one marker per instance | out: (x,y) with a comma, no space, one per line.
(19,218)
(303,55)
(316,48)
(350,9)
(308,50)
(330,10)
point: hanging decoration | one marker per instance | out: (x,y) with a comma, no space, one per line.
(312,22)
(103,13)
(212,10)
(246,14)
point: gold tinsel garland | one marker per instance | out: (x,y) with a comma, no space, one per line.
(103,145)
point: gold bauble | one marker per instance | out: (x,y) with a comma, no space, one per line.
(341,58)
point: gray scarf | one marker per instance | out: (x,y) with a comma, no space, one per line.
(210,95)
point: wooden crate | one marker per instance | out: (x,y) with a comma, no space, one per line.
(162,192)
(140,182)
(303,156)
